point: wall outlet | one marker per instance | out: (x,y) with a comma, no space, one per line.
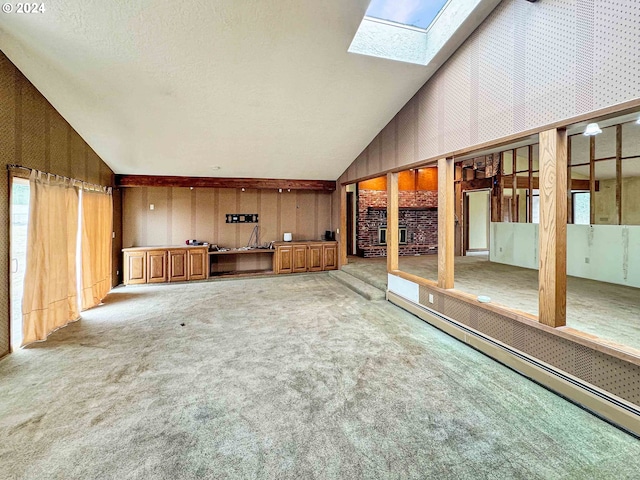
(500,248)
(587,260)
(338,231)
(431,298)
(113,235)
(151,206)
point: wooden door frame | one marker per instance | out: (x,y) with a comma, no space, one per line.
(350,223)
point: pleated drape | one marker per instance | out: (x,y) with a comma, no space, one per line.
(50,285)
(97,208)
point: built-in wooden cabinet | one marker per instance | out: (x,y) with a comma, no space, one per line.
(284,259)
(330,257)
(315,257)
(198,264)
(165,264)
(297,257)
(135,268)
(178,265)
(157,266)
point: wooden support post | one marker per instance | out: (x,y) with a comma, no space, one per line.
(496,213)
(619,173)
(446,223)
(530,188)
(392,222)
(552,277)
(459,243)
(592,179)
(569,184)
(342,234)
(514,187)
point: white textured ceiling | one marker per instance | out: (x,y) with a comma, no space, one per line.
(261,88)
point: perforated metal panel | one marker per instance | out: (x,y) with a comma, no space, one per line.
(373,155)
(617,63)
(605,371)
(427,122)
(495,102)
(388,140)
(457,98)
(361,164)
(407,119)
(545,51)
(527,65)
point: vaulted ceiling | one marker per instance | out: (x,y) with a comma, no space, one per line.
(258,88)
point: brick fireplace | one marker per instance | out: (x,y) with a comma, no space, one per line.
(418,212)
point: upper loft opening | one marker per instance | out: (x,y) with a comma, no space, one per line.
(415,31)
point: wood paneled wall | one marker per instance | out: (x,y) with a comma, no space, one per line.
(199,213)
(33,134)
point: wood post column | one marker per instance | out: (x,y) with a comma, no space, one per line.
(392,222)
(342,234)
(446,222)
(552,276)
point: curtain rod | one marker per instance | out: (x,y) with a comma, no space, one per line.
(85,185)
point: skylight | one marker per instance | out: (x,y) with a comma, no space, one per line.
(416,13)
(415,31)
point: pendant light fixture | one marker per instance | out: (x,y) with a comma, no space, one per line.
(592,129)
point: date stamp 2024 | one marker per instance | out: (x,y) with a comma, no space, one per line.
(23,8)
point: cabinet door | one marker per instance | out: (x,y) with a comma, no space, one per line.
(330,257)
(284,260)
(135,268)
(299,258)
(314,259)
(157,266)
(177,265)
(198,263)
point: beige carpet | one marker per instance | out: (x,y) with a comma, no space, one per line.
(603,309)
(291,377)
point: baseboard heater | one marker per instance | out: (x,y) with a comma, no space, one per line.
(609,408)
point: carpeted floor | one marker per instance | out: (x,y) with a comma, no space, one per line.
(603,309)
(289,377)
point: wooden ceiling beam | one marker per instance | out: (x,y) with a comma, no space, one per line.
(220,182)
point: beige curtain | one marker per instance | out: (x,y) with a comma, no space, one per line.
(96,247)
(50,285)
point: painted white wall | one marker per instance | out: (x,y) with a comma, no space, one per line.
(514,244)
(404,288)
(608,253)
(478,220)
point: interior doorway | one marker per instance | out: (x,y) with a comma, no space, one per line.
(19,211)
(477,214)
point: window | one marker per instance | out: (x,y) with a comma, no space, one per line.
(581,208)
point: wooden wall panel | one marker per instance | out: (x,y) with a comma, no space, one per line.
(204,212)
(269,216)
(180,216)
(180,211)
(288,213)
(226,204)
(324,205)
(306,216)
